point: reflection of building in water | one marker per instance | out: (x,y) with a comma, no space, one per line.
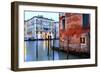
(75,31)
(40,27)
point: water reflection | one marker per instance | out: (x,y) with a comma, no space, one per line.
(41,50)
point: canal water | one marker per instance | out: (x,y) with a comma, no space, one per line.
(40,50)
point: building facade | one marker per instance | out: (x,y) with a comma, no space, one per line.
(75,31)
(40,27)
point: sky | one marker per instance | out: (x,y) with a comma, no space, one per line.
(50,15)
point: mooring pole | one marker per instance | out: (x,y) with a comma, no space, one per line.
(37,47)
(48,46)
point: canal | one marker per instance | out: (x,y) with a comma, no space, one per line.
(41,50)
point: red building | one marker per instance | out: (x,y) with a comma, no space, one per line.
(74,32)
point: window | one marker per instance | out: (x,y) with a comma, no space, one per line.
(63,23)
(37,21)
(82,40)
(41,22)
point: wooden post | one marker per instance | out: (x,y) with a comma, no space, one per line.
(68,47)
(48,47)
(37,48)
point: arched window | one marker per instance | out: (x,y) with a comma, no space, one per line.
(63,23)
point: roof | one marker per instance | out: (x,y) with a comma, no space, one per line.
(40,16)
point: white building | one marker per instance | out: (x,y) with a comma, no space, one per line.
(40,27)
